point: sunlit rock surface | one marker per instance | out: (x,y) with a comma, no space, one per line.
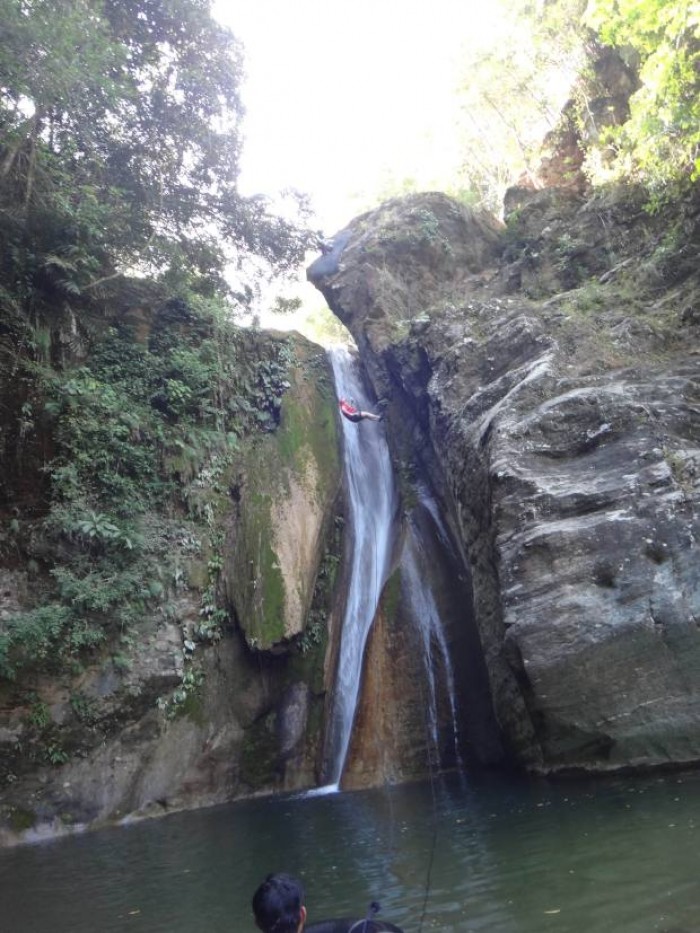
(545,378)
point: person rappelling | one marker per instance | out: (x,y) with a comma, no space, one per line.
(349,410)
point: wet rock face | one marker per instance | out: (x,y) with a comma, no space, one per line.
(566,431)
(245,730)
(419,713)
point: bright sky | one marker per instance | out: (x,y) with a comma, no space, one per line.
(341,97)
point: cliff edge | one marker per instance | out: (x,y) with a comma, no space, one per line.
(543,374)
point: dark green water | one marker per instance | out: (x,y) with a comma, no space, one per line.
(503,855)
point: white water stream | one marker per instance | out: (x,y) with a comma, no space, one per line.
(372,505)
(436,655)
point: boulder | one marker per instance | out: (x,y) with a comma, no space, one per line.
(283,497)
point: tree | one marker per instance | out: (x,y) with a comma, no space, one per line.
(120,135)
(515,85)
(660,142)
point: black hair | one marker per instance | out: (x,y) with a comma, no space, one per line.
(277,904)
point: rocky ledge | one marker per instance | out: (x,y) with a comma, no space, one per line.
(543,376)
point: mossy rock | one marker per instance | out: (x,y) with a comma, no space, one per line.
(288,486)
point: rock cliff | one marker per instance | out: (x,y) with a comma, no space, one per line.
(212,686)
(542,376)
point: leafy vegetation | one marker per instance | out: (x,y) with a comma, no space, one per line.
(513,90)
(120,135)
(660,142)
(546,55)
(137,472)
(44,637)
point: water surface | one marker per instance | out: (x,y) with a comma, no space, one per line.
(490,853)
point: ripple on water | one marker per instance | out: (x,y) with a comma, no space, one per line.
(500,855)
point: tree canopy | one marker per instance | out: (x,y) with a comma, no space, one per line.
(120,135)
(516,84)
(514,87)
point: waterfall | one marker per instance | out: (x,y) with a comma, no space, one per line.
(431,587)
(436,655)
(372,505)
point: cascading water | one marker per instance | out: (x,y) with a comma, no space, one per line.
(435,625)
(372,506)
(432,583)
(435,650)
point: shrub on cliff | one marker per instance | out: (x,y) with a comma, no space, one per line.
(660,142)
(143,438)
(120,136)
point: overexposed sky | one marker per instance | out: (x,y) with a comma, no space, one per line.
(342,97)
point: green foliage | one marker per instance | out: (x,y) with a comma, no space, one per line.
(660,142)
(43,637)
(185,699)
(45,741)
(127,449)
(21,819)
(212,618)
(420,228)
(515,83)
(121,662)
(39,716)
(322,326)
(84,708)
(282,305)
(55,753)
(119,149)
(131,409)
(313,633)
(102,590)
(96,527)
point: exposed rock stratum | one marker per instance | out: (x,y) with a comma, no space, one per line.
(543,377)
